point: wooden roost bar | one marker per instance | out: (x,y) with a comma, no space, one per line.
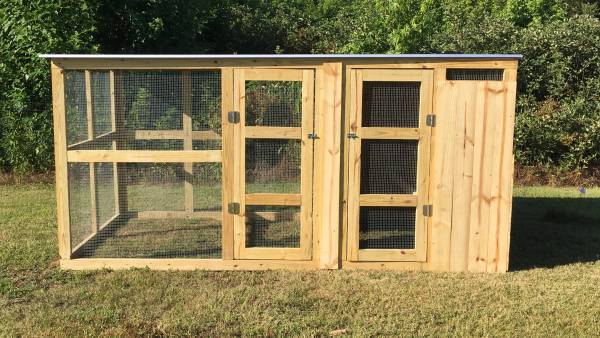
(284,161)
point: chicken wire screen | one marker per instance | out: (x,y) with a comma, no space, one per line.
(273,166)
(151,228)
(388,167)
(274,103)
(387,228)
(272,226)
(149,110)
(391,104)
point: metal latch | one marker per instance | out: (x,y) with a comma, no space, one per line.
(352,136)
(312,136)
(428,210)
(430,121)
(233,117)
(233,208)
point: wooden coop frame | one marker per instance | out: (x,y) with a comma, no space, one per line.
(446,204)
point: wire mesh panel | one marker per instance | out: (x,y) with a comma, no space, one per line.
(388,167)
(272,226)
(273,166)
(155,225)
(387,228)
(391,104)
(154,186)
(206,108)
(206,181)
(274,103)
(105,192)
(101,110)
(474,74)
(80,206)
(75,106)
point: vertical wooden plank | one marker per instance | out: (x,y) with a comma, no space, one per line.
(60,162)
(497,109)
(228,144)
(345,162)
(424,160)
(331,111)
(506,172)
(317,165)
(188,168)
(354,164)
(239,189)
(442,179)
(464,112)
(92,166)
(481,189)
(306,221)
(113,124)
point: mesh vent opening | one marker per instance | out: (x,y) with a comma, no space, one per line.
(474,74)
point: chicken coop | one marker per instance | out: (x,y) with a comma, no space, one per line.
(227,162)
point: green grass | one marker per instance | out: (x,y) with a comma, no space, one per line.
(554,289)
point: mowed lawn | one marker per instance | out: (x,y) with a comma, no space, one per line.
(553,289)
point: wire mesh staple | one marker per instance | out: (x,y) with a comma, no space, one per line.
(272,226)
(387,228)
(391,104)
(274,103)
(388,167)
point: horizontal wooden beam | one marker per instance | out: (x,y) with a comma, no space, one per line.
(183,264)
(274,132)
(388,200)
(175,134)
(378,133)
(273,75)
(146,156)
(273,199)
(151,214)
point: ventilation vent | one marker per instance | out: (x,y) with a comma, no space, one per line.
(475,74)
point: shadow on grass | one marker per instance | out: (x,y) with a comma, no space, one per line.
(548,232)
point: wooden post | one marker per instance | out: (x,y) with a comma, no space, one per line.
(187,138)
(227,164)
(327,164)
(60,162)
(120,132)
(92,166)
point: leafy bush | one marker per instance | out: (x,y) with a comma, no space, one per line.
(26,29)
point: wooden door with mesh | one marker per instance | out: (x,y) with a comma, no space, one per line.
(274,155)
(389,140)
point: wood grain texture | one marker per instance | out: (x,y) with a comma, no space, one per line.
(144,156)
(330,156)
(60,161)
(228,162)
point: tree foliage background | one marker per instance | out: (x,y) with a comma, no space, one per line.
(558,110)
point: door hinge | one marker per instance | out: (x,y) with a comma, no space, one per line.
(233,208)
(430,121)
(233,117)
(313,136)
(428,210)
(352,136)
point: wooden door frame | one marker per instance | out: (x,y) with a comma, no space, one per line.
(242,132)
(422,134)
